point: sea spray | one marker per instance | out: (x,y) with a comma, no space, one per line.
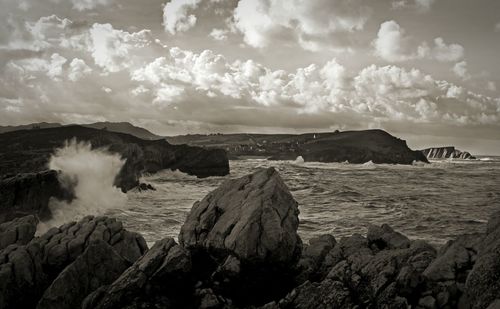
(90,175)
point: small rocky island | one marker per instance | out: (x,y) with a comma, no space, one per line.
(377,146)
(239,248)
(447,153)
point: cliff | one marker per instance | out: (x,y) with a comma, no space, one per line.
(377,146)
(446,153)
(27,152)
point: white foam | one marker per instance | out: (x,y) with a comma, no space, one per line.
(90,174)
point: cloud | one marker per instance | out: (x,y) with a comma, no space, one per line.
(78,69)
(82,5)
(497,27)
(52,68)
(111,48)
(176,17)
(420,5)
(393,45)
(219,34)
(308,22)
(460,70)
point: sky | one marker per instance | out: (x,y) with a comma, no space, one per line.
(424,70)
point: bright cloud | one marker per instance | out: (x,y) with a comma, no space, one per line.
(393,45)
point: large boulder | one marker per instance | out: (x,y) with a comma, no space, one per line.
(385,237)
(18,231)
(243,238)
(28,270)
(98,266)
(254,218)
(160,278)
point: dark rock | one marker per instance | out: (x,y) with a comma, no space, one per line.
(483,282)
(313,256)
(385,237)
(19,231)
(253,219)
(99,265)
(28,270)
(29,193)
(160,278)
(145,187)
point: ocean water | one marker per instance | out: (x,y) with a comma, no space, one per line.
(433,202)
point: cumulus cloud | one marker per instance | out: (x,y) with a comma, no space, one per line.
(460,70)
(308,21)
(393,45)
(176,17)
(111,48)
(52,68)
(78,69)
(219,34)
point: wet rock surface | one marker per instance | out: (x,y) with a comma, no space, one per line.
(19,231)
(95,263)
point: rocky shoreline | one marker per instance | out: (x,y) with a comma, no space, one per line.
(239,248)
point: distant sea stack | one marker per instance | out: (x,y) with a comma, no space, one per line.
(447,153)
(377,146)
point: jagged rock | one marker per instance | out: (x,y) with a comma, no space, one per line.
(483,283)
(161,278)
(313,256)
(22,278)
(446,152)
(43,259)
(145,187)
(99,265)
(29,193)
(385,237)
(254,218)
(18,231)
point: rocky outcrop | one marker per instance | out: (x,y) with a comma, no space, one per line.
(29,193)
(253,218)
(247,226)
(160,278)
(26,186)
(29,150)
(20,231)
(97,266)
(446,153)
(26,271)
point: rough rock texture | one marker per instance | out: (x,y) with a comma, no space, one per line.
(20,231)
(254,218)
(29,193)
(243,237)
(446,153)
(483,282)
(26,271)
(313,256)
(385,237)
(99,265)
(160,278)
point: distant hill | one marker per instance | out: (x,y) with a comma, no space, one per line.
(120,127)
(377,146)
(124,127)
(39,125)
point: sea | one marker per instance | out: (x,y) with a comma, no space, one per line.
(433,202)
